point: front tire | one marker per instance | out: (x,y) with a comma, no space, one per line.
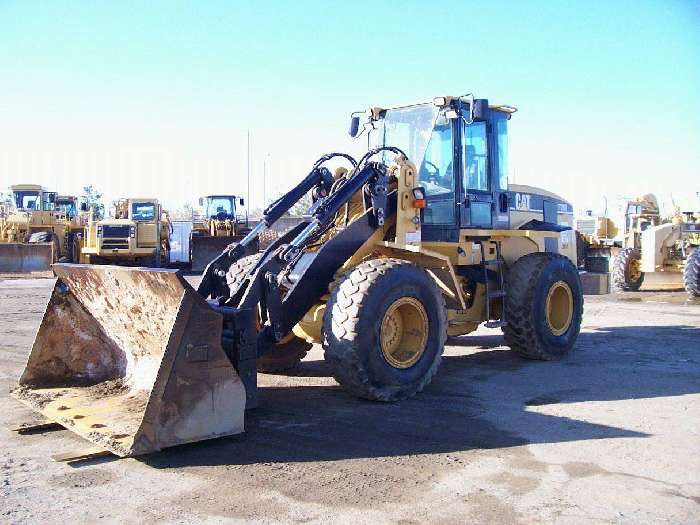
(691,274)
(544,304)
(626,272)
(384,329)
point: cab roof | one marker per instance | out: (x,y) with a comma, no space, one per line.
(28,187)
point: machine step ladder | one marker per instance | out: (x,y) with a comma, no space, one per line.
(495,265)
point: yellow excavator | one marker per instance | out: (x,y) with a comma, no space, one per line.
(420,238)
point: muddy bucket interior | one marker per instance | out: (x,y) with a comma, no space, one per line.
(131,360)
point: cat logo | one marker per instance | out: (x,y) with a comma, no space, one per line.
(522,201)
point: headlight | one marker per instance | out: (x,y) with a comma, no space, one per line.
(132,231)
(99,231)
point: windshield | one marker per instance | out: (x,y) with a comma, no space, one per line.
(408,129)
(220,206)
(27,200)
(143,211)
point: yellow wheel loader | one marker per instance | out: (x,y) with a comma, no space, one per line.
(420,239)
(138,234)
(220,226)
(38,229)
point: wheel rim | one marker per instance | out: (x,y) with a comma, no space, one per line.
(635,270)
(404,332)
(559,307)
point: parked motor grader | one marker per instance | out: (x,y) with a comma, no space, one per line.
(137,234)
(420,239)
(219,226)
(37,230)
(656,245)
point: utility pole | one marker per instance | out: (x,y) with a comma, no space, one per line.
(248,191)
(265,162)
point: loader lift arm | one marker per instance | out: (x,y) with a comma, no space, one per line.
(319,180)
(306,274)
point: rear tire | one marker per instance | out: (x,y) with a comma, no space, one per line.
(365,341)
(691,274)
(544,306)
(597,264)
(626,275)
(285,355)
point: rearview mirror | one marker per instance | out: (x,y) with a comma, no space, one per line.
(201,201)
(84,206)
(241,201)
(354,130)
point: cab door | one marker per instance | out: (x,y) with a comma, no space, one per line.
(476,202)
(483,149)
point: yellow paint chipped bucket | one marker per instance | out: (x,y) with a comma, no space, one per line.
(131,359)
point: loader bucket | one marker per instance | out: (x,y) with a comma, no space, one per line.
(131,360)
(25,258)
(204,249)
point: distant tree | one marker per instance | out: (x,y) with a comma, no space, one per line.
(93,200)
(301,207)
(183,213)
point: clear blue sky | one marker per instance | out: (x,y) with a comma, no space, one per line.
(155,98)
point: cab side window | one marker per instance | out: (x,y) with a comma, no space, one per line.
(475,157)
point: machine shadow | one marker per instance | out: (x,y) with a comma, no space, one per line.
(484,399)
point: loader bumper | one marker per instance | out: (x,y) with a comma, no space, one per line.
(25,258)
(131,360)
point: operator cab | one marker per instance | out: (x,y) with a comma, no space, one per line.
(221,207)
(459,146)
(67,205)
(31,197)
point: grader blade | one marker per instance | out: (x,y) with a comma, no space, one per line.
(131,360)
(17,257)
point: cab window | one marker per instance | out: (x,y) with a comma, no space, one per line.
(437,176)
(475,157)
(143,211)
(27,200)
(502,152)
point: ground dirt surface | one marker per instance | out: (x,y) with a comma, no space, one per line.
(609,434)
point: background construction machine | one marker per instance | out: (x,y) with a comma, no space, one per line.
(37,229)
(656,245)
(420,239)
(138,234)
(596,242)
(219,226)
